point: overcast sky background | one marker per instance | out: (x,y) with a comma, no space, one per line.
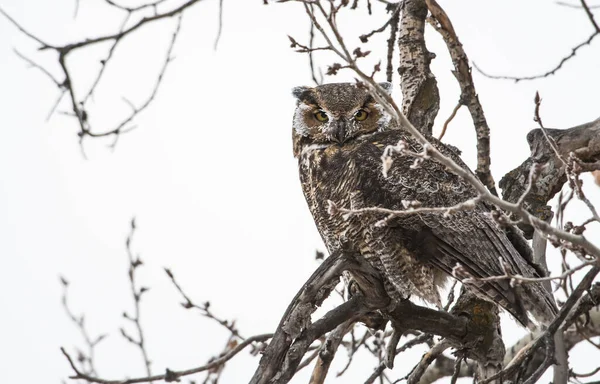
(209,172)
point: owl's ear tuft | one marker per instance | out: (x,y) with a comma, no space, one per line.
(302,93)
(387,86)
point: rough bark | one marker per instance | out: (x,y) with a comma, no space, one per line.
(472,326)
(584,322)
(486,345)
(420,94)
(582,140)
(468,95)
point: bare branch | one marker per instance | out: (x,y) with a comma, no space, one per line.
(450,118)
(574,6)
(426,360)
(556,324)
(136,292)
(327,352)
(78,106)
(169,375)
(79,321)
(204,308)
(389,72)
(424,338)
(26,32)
(121,34)
(588,374)
(311,61)
(220,25)
(121,127)
(410,210)
(104,63)
(130,10)
(395,12)
(462,72)
(574,50)
(552,146)
(33,64)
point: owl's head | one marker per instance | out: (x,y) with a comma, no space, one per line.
(335,114)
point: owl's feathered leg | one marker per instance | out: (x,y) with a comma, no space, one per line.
(405,273)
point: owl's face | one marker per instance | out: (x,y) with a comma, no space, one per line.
(335,114)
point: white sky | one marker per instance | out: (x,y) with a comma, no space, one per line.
(209,173)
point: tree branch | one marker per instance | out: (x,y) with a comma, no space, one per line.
(79,106)
(468,95)
(420,94)
(549,147)
(169,375)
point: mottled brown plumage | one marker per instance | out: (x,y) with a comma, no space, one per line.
(339,155)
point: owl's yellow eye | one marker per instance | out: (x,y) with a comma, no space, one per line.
(321,116)
(361,114)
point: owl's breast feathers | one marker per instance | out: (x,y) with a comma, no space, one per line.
(328,173)
(415,249)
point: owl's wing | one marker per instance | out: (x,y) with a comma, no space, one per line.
(470,238)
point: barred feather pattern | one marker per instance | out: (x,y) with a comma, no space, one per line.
(416,253)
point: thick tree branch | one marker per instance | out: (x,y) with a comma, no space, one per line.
(328,351)
(583,141)
(420,94)
(309,297)
(573,241)
(468,96)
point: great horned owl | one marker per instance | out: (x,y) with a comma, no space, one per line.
(339,134)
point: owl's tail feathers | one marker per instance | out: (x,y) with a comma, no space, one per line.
(529,303)
(538,302)
(506,298)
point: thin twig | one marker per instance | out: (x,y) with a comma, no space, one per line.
(26,32)
(136,292)
(550,72)
(79,321)
(421,339)
(78,106)
(311,60)
(391,21)
(589,374)
(33,64)
(552,328)
(120,129)
(104,63)
(204,309)
(218,38)
(518,279)
(153,4)
(574,6)
(450,118)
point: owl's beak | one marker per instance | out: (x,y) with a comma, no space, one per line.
(338,132)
